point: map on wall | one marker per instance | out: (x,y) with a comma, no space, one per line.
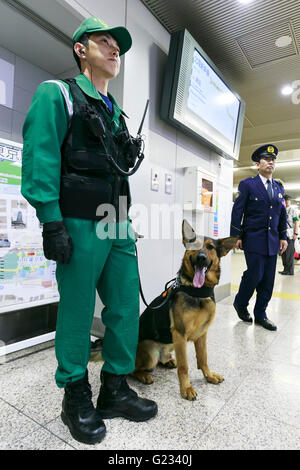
(26,276)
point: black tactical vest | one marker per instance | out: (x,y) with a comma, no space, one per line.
(87,178)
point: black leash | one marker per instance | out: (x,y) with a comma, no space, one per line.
(170,291)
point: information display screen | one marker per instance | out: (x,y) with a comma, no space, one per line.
(212,101)
(198,100)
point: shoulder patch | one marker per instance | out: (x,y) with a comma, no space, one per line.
(65,94)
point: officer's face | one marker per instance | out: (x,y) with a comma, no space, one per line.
(103,54)
(266,166)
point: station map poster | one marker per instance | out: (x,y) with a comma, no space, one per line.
(27,278)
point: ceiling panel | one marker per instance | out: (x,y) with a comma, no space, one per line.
(259,47)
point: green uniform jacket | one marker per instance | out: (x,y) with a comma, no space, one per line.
(44,131)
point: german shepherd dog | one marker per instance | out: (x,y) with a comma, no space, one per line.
(191,310)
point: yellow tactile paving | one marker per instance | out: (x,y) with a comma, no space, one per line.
(280,295)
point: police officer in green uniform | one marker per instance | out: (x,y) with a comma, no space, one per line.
(72,131)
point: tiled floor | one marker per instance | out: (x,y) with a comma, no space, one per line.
(256,407)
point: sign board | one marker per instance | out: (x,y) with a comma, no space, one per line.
(27,278)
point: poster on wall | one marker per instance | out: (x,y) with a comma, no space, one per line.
(27,278)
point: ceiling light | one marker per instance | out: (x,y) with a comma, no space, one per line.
(283,41)
(287,90)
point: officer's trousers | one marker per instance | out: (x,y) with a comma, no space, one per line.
(109,266)
(288,257)
(260,275)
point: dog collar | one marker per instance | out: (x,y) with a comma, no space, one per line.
(200,292)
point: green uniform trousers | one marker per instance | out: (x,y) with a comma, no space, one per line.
(110,267)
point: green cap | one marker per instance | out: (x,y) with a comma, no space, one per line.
(93,25)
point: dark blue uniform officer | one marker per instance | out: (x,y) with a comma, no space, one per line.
(259,220)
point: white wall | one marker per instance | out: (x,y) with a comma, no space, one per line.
(27,77)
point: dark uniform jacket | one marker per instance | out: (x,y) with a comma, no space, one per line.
(257,220)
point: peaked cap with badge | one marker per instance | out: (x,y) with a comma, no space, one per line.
(259,219)
(268,150)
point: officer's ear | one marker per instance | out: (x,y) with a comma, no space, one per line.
(79,50)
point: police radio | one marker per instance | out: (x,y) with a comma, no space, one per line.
(133,149)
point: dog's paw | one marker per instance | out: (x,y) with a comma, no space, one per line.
(171,364)
(147,379)
(214,378)
(143,377)
(189,393)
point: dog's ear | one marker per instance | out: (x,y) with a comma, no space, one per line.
(188,234)
(225,245)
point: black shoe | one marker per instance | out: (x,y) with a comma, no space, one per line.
(78,413)
(285,273)
(266,323)
(116,399)
(243,313)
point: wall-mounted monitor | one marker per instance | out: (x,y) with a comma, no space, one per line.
(198,100)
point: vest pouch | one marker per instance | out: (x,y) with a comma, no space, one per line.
(80,196)
(89,161)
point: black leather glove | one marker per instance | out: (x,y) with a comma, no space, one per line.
(57,243)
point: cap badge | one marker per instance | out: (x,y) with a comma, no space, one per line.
(271,149)
(97,20)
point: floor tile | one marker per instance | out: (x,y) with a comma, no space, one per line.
(40,439)
(14,425)
(236,430)
(272,391)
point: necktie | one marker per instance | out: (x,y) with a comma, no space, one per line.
(269,190)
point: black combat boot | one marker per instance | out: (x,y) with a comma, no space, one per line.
(78,413)
(116,399)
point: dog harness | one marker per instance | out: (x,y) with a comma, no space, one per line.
(155,320)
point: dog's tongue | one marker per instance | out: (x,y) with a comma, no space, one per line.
(199,277)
